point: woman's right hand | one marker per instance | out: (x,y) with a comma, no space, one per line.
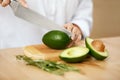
(5,3)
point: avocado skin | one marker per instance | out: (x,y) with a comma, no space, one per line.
(74,60)
(56,39)
(93,53)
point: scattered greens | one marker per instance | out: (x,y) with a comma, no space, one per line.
(49,66)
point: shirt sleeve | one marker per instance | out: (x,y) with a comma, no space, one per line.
(83,17)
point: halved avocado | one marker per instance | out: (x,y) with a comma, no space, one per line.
(74,54)
(93,52)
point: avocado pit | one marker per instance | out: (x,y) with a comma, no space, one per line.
(98,45)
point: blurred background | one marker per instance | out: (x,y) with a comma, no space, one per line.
(106,18)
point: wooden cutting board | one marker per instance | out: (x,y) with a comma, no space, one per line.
(42,52)
(90,69)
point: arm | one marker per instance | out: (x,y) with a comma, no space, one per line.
(5,3)
(81,21)
(83,17)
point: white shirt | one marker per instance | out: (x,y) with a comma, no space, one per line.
(15,32)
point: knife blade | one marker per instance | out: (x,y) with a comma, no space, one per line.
(34,17)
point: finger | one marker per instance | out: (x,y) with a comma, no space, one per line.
(75,41)
(75,33)
(65,26)
(78,38)
(73,36)
(1,1)
(5,3)
(69,26)
(71,44)
(23,3)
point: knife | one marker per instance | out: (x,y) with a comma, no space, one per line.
(34,17)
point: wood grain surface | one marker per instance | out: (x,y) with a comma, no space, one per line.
(90,69)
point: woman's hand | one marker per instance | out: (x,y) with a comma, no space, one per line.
(76,33)
(5,3)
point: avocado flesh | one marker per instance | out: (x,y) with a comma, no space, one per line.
(96,54)
(74,54)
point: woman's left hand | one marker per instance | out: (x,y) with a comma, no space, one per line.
(5,3)
(76,33)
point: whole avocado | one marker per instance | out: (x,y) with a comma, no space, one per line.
(56,39)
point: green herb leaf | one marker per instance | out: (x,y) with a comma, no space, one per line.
(49,66)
